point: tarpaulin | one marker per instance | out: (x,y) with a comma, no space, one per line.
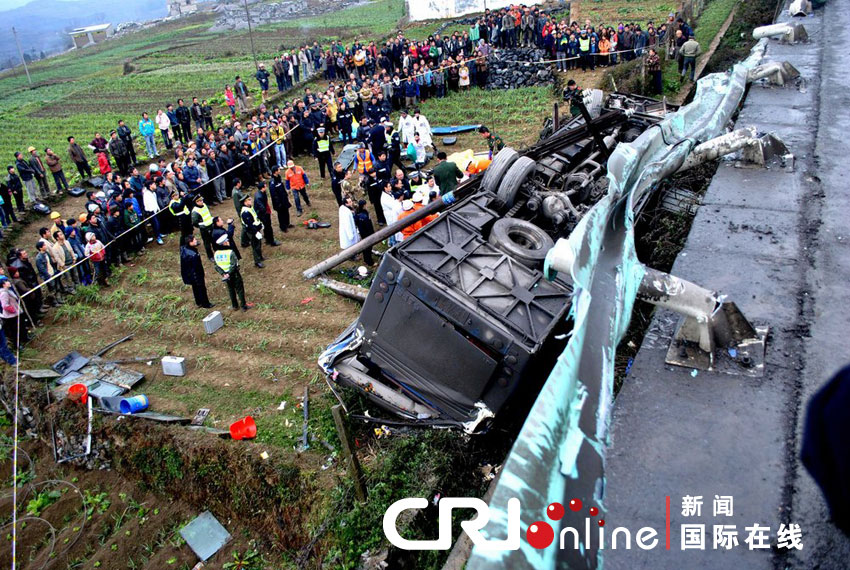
(559,454)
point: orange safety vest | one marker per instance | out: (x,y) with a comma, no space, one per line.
(364,161)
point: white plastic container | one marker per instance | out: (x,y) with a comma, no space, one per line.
(173,365)
(213,322)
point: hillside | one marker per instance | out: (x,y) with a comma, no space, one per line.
(43,25)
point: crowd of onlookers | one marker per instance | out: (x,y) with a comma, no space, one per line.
(366,84)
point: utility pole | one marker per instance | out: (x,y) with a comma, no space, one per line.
(21,53)
(251,35)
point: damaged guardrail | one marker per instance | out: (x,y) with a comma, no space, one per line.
(559,454)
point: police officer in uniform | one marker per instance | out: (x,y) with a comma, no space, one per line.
(323,149)
(179,208)
(253,228)
(227,264)
(203,220)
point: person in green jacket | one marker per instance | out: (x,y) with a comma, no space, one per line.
(446,174)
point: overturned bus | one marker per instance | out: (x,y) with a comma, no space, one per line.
(459,317)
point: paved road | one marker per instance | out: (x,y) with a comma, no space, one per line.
(778,244)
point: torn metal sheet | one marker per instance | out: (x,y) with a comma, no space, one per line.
(41,374)
(559,454)
(205,535)
(103,380)
(72,362)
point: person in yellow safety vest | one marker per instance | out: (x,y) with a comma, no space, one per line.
(252,226)
(584,49)
(203,220)
(323,150)
(227,264)
(179,208)
(363,160)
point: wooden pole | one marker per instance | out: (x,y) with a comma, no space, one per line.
(348,453)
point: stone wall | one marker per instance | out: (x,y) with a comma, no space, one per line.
(231,15)
(519,67)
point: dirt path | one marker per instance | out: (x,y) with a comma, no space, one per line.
(702,61)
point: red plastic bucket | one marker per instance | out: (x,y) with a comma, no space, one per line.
(78,393)
(245,428)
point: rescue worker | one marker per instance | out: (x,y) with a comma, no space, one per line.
(573,95)
(227,264)
(253,228)
(363,160)
(297,181)
(192,271)
(494,142)
(203,220)
(323,150)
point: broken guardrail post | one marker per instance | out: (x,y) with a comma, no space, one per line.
(348,453)
(710,325)
(776,73)
(791,33)
(756,149)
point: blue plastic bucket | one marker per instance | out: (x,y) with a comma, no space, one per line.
(135,404)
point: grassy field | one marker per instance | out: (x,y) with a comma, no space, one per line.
(614,12)
(267,356)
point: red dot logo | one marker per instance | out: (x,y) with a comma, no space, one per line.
(540,535)
(593,511)
(575,505)
(555,511)
(601,522)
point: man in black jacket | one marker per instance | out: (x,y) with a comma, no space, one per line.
(16,187)
(207,112)
(197,115)
(280,199)
(184,121)
(126,136)
(192,271)
(119,152)
(264,212)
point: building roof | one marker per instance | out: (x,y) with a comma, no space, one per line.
(89,29)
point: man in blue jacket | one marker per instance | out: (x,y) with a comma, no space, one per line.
(411,92)
(147,130)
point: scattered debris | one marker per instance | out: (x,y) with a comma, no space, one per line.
(305,401)
(205,535)
(694,373)
(112,345)
(282,406)
(307,300)
(264,455)
(213,322)
(173,365)
(71,362)
(45,373)
(354,292)
(246,428)
(134,404)
(200,417)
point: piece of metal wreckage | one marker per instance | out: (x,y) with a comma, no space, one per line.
(559,453)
